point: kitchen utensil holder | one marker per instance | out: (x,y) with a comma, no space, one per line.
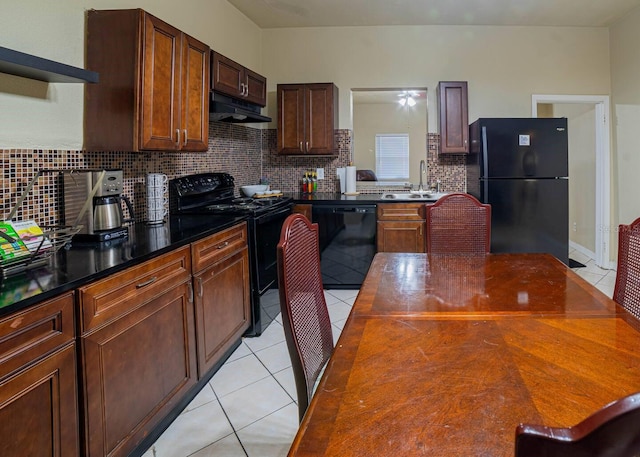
(53,238)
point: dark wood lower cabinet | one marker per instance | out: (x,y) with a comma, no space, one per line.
(222,308)
(38,408)
(222,297)
(145,344)
(38,382)
(401,227)
(135,370)
(401,236)
(137,351)
(304,209)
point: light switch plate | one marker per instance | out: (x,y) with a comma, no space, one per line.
(320,173)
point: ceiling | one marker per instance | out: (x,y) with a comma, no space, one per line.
(327,13)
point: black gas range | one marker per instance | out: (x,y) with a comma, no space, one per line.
(214,194)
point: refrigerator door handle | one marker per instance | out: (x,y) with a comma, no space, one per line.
(485,166)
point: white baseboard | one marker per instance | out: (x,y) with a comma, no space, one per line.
(592,255)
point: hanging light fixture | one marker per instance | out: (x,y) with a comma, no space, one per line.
(406,99)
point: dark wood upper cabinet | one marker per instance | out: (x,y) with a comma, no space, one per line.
(154,85)
(454,117)
(231,78)
(307,119)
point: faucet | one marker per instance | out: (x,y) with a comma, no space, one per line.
(423,170)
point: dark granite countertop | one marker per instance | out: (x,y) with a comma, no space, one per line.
(83,263)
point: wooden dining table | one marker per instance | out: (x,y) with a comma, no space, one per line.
(444,355)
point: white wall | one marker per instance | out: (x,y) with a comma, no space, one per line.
(38,115)
(503,65)
(625,85)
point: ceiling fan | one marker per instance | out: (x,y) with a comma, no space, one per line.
(408,97)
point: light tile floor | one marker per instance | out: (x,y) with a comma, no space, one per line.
(249,409)
(604,280)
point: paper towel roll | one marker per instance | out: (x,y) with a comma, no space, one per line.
(351,180)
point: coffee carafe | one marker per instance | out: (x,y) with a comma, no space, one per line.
(107,212)
(93,199)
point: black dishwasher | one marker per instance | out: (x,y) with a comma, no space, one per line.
(347,236)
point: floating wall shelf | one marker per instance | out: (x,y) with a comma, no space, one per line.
(29,66)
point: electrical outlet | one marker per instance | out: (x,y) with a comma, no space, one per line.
(575,227)
(320,173)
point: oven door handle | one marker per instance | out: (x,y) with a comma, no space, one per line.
(275,215)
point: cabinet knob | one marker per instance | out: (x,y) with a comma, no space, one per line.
(185,137)
(177,138)
(301,150)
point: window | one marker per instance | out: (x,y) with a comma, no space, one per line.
(392,156)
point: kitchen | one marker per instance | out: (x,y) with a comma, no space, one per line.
(43,124)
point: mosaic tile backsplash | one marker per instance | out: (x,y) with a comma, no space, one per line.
(247,153)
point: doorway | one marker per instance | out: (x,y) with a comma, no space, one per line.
(602,200)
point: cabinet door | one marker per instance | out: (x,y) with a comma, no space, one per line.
(160,103)
(256,87)
(303,209)
(291,118)
(38,408)
(223,307)
(195,95)
(227,75)
(454,117)
(38,381)
(135,370)
(401,236)
(319,121)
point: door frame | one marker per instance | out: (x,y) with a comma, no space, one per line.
(603,160)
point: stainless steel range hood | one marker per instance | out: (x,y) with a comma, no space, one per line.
(227,109)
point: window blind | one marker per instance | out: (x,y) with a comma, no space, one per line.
(392,156)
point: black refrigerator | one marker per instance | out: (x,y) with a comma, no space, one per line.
(520,167)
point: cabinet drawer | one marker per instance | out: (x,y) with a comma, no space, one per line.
(116,295)
(216,247)
(30,334)
(401,212)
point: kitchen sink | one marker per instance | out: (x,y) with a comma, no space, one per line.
(413,196)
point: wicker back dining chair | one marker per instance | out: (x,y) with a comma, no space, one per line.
(627,288)
(613,431)
(458,224)
(305,317)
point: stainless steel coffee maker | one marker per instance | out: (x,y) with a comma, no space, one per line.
(92,198)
